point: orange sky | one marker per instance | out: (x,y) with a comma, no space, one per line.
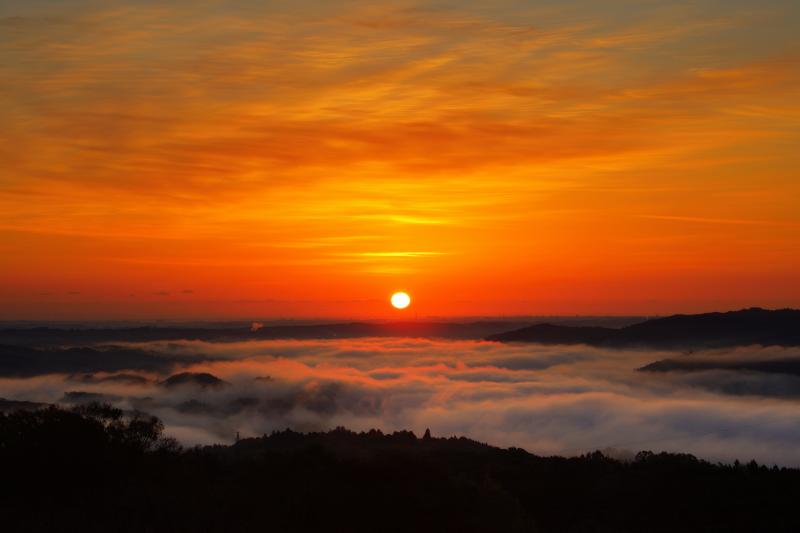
(214,159)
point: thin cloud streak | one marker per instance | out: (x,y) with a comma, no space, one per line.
(702,220)
(222,131)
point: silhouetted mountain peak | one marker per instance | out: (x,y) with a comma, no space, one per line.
(199,379)
(555,334)
(744,327)
(7,406)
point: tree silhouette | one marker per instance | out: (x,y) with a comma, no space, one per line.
(97,468)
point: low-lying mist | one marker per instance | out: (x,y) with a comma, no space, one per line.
(547,399)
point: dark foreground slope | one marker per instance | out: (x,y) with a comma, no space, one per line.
(94,470)
(734,328)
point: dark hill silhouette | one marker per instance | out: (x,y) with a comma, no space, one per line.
(18,405)
(48,336)
(93,469)
(689,364)
(84,397)
(198,379)
(25,361)
(734,328)
(555,334)
(129,379)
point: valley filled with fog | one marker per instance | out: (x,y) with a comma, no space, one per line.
(555,399)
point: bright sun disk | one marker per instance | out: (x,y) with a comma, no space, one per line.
(401,300)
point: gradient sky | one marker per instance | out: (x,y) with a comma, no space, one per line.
(307,158)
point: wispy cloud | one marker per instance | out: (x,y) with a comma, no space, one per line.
(392,254)
(182,133)
(703,220)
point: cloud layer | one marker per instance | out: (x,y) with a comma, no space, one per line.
(547,399)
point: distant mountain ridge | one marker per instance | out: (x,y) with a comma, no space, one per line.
(456,330)
(203,380)
(734,328)
(44,336)
(747,326)
(689,364)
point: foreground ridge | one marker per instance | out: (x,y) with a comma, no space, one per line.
(126,476)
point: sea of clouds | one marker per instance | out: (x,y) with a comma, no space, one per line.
(562,400)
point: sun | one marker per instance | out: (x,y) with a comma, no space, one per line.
(401,300)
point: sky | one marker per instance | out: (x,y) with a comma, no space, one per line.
(233,159)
